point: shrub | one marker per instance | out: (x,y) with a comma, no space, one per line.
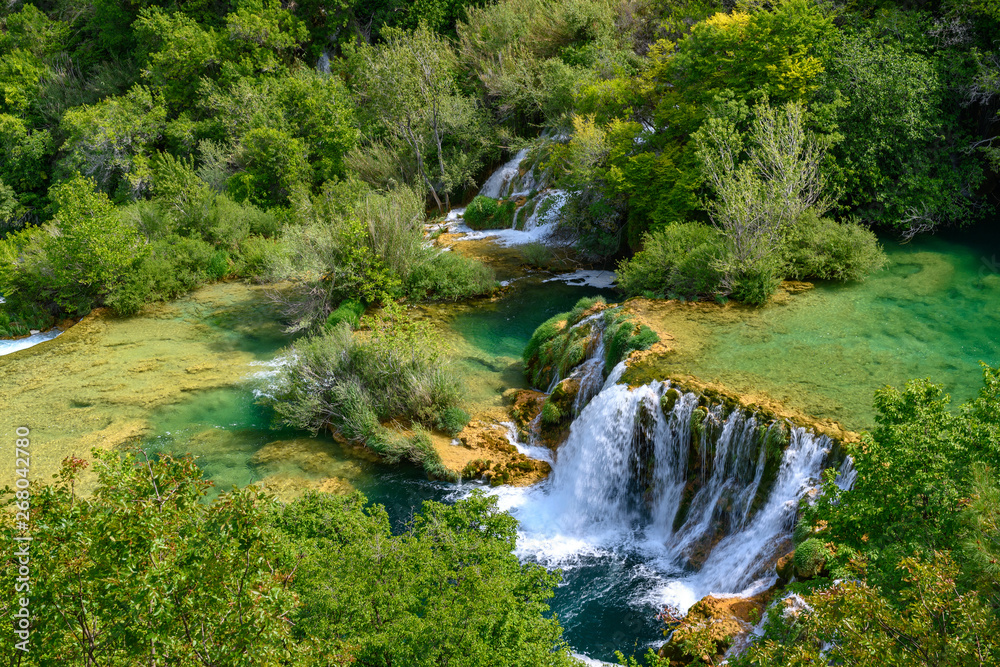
(218,265)
(351,385)
(536,254)
(256,257)
(811,557)
(755,287)
(448,276)
(480,211)
(678,260)
(452,420)
(349,311)
(551,414)
(822,248)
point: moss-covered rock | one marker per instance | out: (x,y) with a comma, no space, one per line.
(811,557)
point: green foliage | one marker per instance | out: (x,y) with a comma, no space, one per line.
(810,557)
(480,212)
(536,254)
(551,414)
(142,561)
(913,470)
(932,622)
(449,276)
(821,248)
(622,336)
(322,580)
(352,384)
(349,311)
(447,590)
(904,159)
(452,420)
(73,263)
(677,260)
(111,141)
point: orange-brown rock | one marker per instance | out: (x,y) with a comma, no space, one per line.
(482,451)
(720,621)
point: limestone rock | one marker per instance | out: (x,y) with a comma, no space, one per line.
(719,620)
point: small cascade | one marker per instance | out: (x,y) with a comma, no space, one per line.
(538,212)
(498,185)
(710,497)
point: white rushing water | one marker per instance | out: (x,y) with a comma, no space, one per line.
(10,346)
(618,486)
(499,184)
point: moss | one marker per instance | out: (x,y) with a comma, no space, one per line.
(697,424)
(669,400)
(811,557)
(623,336)
(551,414)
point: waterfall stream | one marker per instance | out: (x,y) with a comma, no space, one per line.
(689,495)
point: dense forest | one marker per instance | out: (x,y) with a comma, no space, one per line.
(710,150)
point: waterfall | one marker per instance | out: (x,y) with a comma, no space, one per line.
(692,489)
(497,186)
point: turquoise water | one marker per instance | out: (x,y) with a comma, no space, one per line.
(932,312)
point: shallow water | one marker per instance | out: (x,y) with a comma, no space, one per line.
(933,312)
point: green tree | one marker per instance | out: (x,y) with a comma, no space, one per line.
(914,469)
(112,141)
(143,571)
(408,87)
(903,163)
(73,262)
(932,624)
(449,590)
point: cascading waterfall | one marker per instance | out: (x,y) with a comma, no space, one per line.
(534,221)
(708,499)
(498,185)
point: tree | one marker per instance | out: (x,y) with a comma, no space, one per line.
(143,571)
(408,87)
(902,162)
(759,196)
(111,141)
(933,624)
(448,590)
(72,263)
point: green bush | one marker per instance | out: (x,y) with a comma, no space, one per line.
(811,557)
(449,276)
(829,250)
(218,265)
(551,414)
(536,254)
(755,287)
(480,211)
(256,257)
(349,311)
(352,385)
(678,260)
(452,420)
